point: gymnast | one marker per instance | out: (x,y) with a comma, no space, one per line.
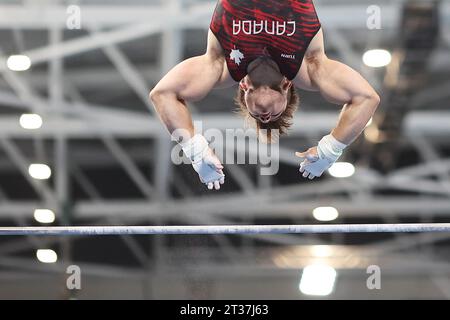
(270,48)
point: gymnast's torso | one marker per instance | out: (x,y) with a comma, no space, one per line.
(251,29)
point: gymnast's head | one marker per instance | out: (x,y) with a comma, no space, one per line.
(267,100)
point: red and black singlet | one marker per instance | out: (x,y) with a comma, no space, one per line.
(250,29)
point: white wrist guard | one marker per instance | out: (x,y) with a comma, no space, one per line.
(330,148)
(204,162)
(195,149)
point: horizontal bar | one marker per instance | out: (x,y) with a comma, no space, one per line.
(235,229)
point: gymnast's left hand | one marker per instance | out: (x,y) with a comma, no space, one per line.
(312,166)
(317,160)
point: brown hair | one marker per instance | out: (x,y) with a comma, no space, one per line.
(282,124)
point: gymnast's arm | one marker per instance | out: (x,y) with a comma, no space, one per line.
(339,84)
(342,85)
(189,81)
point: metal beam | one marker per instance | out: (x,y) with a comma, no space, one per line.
(133,211)
(135,125)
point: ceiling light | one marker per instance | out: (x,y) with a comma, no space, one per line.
(18,63)
(318,280)
(30,121)
(377,58)
(46,256)
(44,216)
(326,213)
(40,171)
(342,170)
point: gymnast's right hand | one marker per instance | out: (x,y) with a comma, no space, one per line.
(204,161)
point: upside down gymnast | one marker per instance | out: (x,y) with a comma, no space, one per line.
(270,48)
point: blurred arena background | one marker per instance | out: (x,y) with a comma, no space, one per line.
(78,136)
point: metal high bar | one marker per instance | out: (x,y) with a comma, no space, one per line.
(224,229)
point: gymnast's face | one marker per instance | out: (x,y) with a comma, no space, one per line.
(265,103)
(265,90)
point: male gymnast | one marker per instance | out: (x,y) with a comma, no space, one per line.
(270,48)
